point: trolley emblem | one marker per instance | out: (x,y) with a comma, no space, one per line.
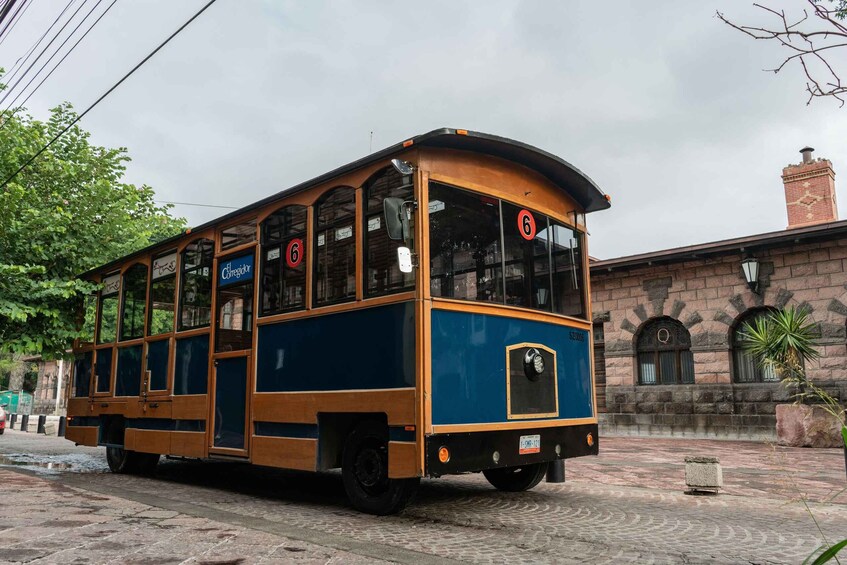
(294,252)
(526,225)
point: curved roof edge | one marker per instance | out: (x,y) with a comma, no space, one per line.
(561,173)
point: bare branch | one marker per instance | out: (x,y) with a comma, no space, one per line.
(808,45)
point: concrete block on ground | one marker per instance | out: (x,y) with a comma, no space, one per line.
(703,473)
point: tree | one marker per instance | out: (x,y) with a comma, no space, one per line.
(812,39)
(66,213)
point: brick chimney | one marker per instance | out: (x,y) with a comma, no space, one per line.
(809,191)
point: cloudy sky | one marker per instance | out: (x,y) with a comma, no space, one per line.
(665,107)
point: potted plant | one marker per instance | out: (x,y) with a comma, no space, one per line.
(784,341)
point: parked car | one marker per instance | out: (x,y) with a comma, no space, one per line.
(2,418)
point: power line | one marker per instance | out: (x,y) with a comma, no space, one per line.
(32,49)
(194,204)
(4,123)
(58,49)
(7,7)
(108,92)
(43,51)
(19,14)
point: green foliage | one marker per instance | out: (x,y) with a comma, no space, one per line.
(784,340)
(66,213)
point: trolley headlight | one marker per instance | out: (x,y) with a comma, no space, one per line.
(533,364)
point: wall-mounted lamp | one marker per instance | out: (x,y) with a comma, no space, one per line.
(750,266)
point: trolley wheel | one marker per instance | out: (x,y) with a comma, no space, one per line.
(364,471)
(123,461)
(516,479)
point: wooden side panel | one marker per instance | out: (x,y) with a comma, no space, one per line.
(156,409)
(149,441)
(83,435)
(303,407)
(287,453)
(402,460)
(129,439)
(78,406)
(190,407)
(188,444)
(109,408)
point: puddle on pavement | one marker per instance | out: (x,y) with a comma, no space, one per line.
(50,464)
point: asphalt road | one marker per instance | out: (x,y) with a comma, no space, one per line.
(267,515)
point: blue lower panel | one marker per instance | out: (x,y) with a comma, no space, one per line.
(469,366)
(230,402)
(362,349)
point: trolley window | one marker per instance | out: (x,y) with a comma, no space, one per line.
(284,261)
(162,295)
(382,272)
(195,304)
(239,234)
(335,247)
(482,248)
(465,246)
(134,302)
(107,323)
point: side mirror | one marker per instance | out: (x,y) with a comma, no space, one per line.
(396,218)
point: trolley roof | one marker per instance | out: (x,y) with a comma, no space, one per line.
(571,180)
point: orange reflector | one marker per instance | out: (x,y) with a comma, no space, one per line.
(462,131)
(444,455)
(409,428)
(407,143)
(589,439)
(188,230)
(608,198)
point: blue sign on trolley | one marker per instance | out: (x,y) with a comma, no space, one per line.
(235,270)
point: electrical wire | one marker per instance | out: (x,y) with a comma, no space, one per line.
(47,62)
(43,51)
(105,94)
(19,14)
(6,8)
(193,204)
(9,77)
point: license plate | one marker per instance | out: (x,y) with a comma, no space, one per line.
(530,444)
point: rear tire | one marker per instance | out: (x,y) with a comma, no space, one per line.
(516,479)
(364,471)
(123,461)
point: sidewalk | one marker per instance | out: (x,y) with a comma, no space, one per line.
(753,469)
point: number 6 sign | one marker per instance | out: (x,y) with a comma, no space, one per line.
(294,252)
(526,225)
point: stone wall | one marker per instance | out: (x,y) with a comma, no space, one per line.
(709,296)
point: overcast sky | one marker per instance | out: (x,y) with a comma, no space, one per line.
(665,107)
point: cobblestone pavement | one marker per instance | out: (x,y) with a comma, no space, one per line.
(625,506)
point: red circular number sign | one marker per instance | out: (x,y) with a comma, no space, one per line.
(526,225)
(294,252)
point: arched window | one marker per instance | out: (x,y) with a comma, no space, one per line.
(335,247)
(382,270)
(745,367)
(195,304)
(284,261)
(664,353)
(134,302)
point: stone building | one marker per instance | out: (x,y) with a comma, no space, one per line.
(666,323)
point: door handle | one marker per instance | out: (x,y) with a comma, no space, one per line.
(154,405)
(104,405)
(217,362)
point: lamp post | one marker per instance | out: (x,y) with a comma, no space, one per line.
(750,266)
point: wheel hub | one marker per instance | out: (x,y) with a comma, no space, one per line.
(369,467)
